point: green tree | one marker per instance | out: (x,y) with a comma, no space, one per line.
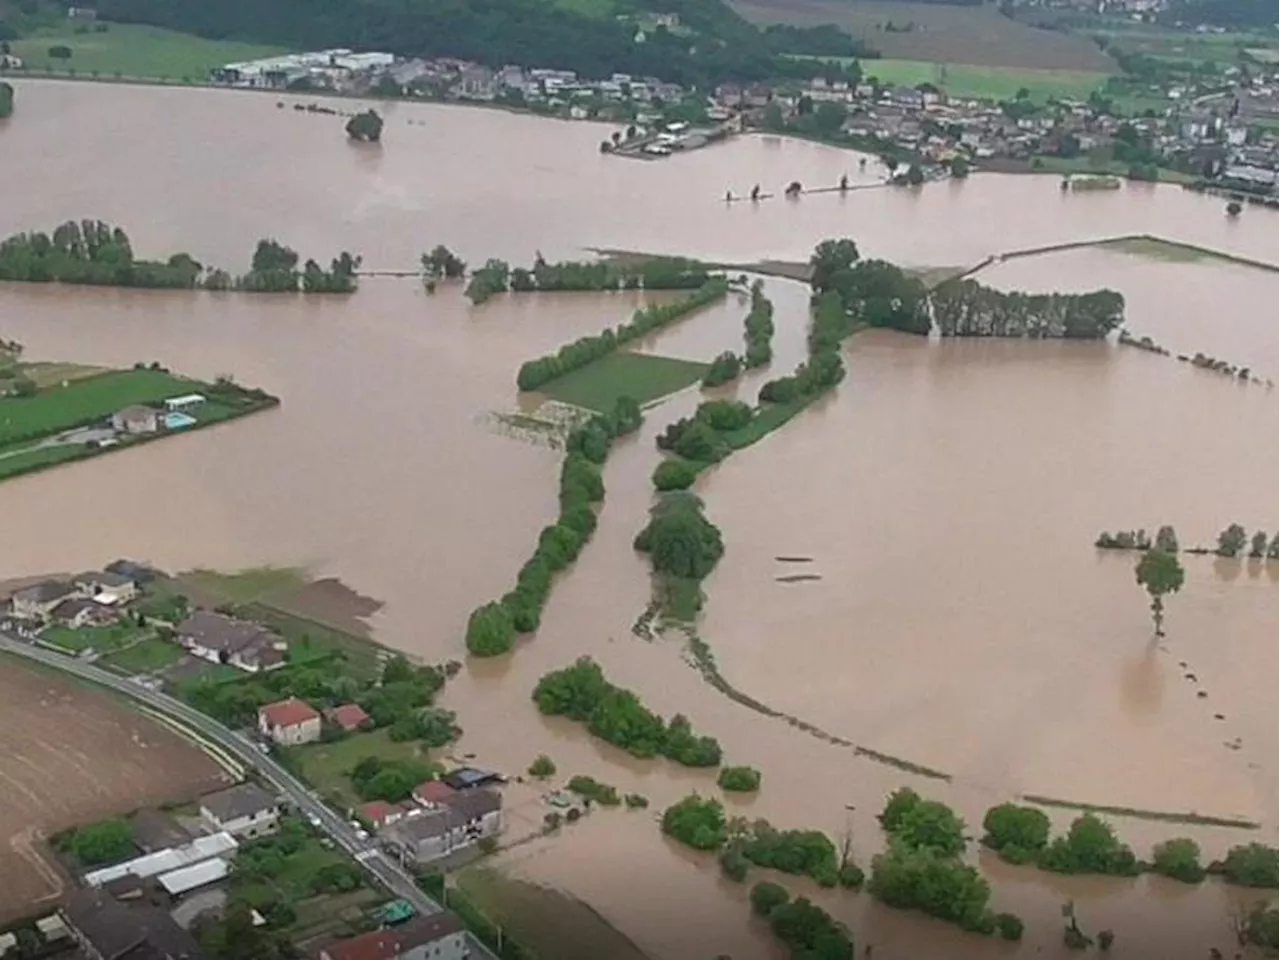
(1252,865)
(1167,539)
(490,631)
(679,540)
(1260,927)
(1258,545)
(901,802)
(1090,846)
(739,779)
(830,259)
(766,896)
(542,767)
(107,841)
(1159,573)
(6,100)
(959,167)
(365,127)
(1179,859)
(696,822)
(674,473)
(934,825)
(1232,540)
(1016,832)
(1009,926)
(923,879)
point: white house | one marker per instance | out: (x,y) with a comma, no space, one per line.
(245,810)
(289,722)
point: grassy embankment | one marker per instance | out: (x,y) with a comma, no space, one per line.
(28,424)
(133,51)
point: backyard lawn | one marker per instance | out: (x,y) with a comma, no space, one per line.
(102,639)
(643,377)
(145,656)
(133,50)
(327,765)
(85,401)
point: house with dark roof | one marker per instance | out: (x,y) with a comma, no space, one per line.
(289,722)
(455,823)
(440,936)
(108,930)
(78,612)
(220,639)
(37,601)
(106,587)
(245,810)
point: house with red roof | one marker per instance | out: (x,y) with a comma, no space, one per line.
(379,813)
(431,793)
(440,936)
(349,717)
(289,722)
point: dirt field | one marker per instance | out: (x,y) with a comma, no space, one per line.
(941,33)
(70,756)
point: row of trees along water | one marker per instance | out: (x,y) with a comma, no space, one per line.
(662,273)
(881,294)
(571,356)
(492,627)
(96,253)
(1232,542)
(616,715)
(758,334)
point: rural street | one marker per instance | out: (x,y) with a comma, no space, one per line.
(386,870)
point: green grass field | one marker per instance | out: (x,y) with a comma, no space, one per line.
(987,83)
(326,765)
(102,639)
(643,377)
(146,656)
(85,401)
(135,51)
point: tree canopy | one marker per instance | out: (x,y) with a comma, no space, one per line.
(365,126)
(1159,573)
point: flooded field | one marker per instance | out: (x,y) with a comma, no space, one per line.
(948,493)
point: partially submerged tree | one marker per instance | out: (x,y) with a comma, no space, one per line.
(1159,573)
(1232,540)
(366,127)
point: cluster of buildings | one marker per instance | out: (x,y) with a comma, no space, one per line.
(443,818)
(146,907)
(95,598)
(322,68)
(173,414)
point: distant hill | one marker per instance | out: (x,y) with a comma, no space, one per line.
(707,43)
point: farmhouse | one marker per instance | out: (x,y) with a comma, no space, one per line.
(37,602)
(219,639)
(289,722)
(454,824)
(441,936)
(245,810)
(76,612)
(105,587)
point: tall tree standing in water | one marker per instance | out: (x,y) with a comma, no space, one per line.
(6,99)
(1159,573)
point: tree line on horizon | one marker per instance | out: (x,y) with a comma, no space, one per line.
(724,47)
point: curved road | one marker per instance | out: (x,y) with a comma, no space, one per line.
(383,868)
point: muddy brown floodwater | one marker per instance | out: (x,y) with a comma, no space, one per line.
(948,493)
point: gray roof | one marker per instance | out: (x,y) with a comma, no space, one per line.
(473,804)
(46,591)
(239,801)
(420,826)
(70,608)
(104,578)
(138,932)
(224,634)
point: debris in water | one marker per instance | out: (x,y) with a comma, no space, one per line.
(1202,694)
(1218,716)
(798,577)
(794,559)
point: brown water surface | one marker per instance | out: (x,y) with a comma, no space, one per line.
(948,493)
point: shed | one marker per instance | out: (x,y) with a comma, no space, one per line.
(186,879)
(184,402)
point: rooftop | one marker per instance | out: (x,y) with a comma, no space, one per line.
(44,592)
(288,713)
(473,804)
(349,716)
(389,944)
(118,932)
(178,882)
(216,632)
(242,800)
(433,791)
(202,848)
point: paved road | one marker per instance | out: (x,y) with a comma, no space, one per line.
(386,870)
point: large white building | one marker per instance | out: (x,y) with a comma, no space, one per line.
(325,66)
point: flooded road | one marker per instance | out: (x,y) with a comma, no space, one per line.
(949,494)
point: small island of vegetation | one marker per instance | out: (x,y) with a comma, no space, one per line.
(52,413)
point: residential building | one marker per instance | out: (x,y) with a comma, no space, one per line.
(220,639)
(467,778)
(76,612)
(245,810)
(106,587)
(349,717)
(109,930)
(164,861)
(37,602)
(440,936)
(289,722)
(432,793)
(428,834)
(379,813)
(136,419)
